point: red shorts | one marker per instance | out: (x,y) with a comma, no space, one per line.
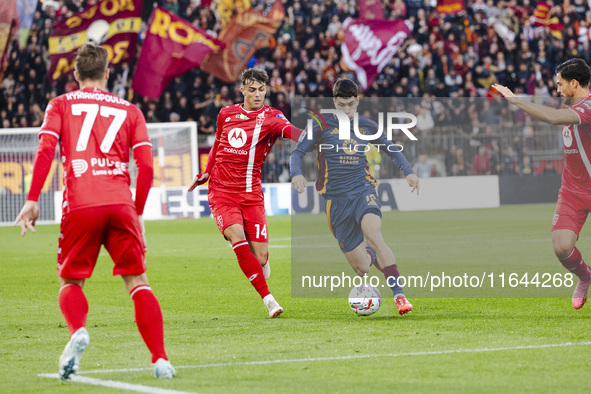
(571,211)
(246,209)
(84,230)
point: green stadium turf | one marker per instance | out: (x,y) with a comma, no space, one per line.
(220,338)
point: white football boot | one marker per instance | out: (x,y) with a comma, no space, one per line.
(69,362)
(272,306)
(163,369)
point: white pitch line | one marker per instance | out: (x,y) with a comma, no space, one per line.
(116,384)
(352,357)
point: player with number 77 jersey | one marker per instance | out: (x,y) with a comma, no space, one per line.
(96,131)
(244,136)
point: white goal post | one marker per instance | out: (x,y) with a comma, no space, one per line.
(175,150)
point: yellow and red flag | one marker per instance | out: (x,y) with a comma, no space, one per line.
(112,24)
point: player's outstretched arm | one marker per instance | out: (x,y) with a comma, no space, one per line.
(400,161)
(200,179)
(145,175)
(413,181)
(298,181)
(43,158)
(540,112)
(291,132)
(27,217)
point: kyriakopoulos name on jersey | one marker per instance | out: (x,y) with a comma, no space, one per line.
(350,148)
(77,95)
(236,151)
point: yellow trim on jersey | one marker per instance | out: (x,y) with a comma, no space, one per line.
(370,178)
(328,206)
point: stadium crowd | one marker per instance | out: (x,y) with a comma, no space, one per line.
(456,57)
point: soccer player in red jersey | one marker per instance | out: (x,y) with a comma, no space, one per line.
(96,131)
(574,198)
(245,134)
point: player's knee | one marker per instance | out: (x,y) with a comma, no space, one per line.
(362,269)
(562,248)
(262,257)
(235,234)
(71,281)
(132,281)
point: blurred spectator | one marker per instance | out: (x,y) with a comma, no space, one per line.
(457,56)
(459,168)
(271,169)
(481,164)
(206,125)
(36,116)
(422,168)
(549,168)
(526,167)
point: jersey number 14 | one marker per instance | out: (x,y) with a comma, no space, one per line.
(262,232)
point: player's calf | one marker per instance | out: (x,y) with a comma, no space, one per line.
(575,264)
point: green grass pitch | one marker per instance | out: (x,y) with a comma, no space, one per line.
(213,317)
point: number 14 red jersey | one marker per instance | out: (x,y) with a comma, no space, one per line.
(244,139)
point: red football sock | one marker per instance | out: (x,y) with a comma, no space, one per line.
(148,317)
(575,264)
(251,267)
(74,306)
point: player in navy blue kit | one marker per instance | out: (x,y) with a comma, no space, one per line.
(352,204)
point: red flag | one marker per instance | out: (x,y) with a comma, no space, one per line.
(114,24)
(371,9)
(541,14)
(245,33)
(8,27)
(172,47)
(543,18)
(450,6)
(369,45)
(556,27)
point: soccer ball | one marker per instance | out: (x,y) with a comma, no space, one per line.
(365,300)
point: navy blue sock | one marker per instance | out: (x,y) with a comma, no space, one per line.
(391,274)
